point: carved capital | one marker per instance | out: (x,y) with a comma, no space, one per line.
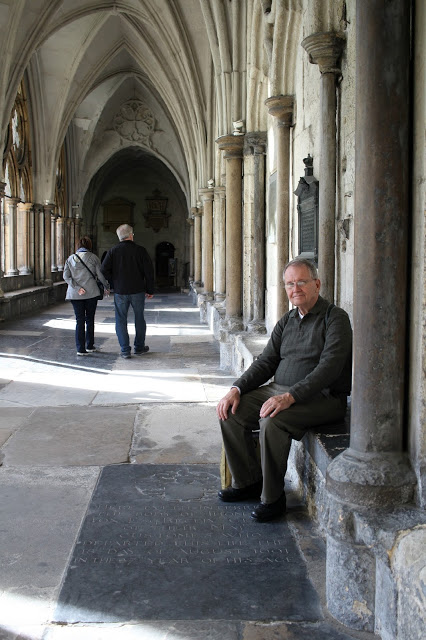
(25,207)
(196,211)
(281,107)
(257,140)
(49,207)
(206,194)
(232,145)
(324,49)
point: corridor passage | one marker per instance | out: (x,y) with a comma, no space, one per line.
(111,528)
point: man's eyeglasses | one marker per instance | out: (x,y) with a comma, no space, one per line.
(299,283)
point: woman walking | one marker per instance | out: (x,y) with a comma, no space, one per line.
(80,273)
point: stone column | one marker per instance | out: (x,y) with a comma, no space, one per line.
(374,472)
(190,223)
(233,145)
(281,108)
(38,244)
(207,253)
(53,241)
(31,220)
(60,242)
(76,232)
(24,232)
(2,192)
(197,245)
(219,244)
(325,49)
(69,240)
(258,142)
(11,236)
(47,240)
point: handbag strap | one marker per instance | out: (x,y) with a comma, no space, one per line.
(89,270)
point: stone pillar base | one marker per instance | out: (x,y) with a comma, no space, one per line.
(256,326)
(233,324)
(371,479)
(208,296)
(350,583)
(368,498)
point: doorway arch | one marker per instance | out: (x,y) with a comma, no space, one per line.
(165,265)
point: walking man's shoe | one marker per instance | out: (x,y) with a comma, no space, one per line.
(140,352)
(264,512)
(236,495)
(126,355)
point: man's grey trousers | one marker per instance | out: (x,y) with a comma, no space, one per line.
(275,436)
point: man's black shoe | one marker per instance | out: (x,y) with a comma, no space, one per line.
(235,495)
(140,352)
(265,512)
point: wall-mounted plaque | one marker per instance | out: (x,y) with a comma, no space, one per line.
(156,217)
(117,211)
(307,193)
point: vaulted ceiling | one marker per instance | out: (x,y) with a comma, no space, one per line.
(87,58)
(191,68)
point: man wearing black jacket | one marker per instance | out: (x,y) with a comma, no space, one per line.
(130,268)
(309,359)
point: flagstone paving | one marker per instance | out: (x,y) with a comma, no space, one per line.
(110,524)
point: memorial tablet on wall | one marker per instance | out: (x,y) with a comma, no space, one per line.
(307,193)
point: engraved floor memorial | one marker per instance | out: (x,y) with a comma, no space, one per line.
(156,543)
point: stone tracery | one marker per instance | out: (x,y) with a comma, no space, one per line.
(135,122)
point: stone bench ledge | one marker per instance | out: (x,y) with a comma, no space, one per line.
(30,299)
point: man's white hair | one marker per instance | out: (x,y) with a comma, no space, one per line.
(124,231)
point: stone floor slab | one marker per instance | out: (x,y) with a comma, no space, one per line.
(40,513)
(12,418)
(150,630)
(29,394)
(177,434)
(72,436)
(160,385)
(320,631)
(158,544)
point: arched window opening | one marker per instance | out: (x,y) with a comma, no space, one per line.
(16,156)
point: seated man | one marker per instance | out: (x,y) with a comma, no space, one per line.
(309,357)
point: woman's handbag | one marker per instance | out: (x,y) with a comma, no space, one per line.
(98,282)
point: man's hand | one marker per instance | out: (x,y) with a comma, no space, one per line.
(149,296)
(232,399)
(275,404)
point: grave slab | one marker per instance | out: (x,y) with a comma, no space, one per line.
(157,544)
